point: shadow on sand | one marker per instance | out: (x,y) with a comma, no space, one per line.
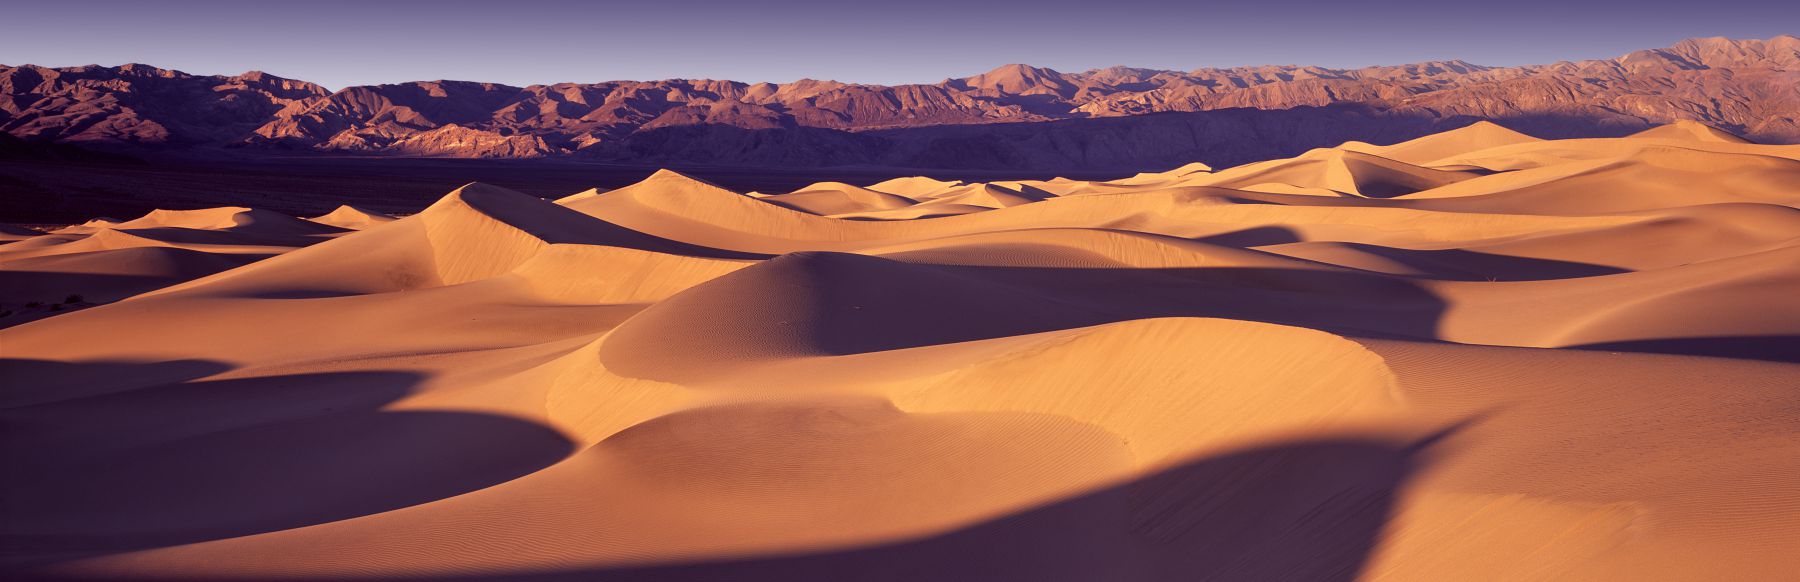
(1298,510)
(182,461)
(1768,348)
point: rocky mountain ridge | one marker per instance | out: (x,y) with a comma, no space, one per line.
(1751,87)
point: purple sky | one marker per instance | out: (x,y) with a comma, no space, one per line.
(338,43)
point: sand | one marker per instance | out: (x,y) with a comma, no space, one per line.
(352,218)
(1472,356)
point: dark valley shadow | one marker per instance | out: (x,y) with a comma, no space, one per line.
(195,236)
(1768,348)
(1253,237)
(1299,510)
(1344,302)
(34,382)
(841,304)
(1466,265)
(183,462)
(40,287)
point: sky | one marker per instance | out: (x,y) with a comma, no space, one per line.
(340,43)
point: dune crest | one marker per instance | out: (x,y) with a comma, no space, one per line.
(1425,150)
(352,218)
(1694,130)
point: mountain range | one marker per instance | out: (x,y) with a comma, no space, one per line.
(1015,116)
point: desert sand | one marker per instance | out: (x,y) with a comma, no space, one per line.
(1476,355)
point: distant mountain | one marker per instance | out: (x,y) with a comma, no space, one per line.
(139,104)
(1091,120)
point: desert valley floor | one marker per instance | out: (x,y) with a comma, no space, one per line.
(1472,356)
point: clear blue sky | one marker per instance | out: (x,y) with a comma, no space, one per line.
(338,43)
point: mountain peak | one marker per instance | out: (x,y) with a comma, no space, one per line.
(148,70)
(1720,52)
(1019,69)
(1021,79)
(1118,73)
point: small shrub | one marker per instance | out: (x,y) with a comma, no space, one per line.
(35,304)
(5,312)
(73,298)
(56,307)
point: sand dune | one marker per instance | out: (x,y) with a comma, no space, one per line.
(1342,171)
(913,187)
(230,219)
(582,195)
(1690,130)
(352,218)
(829,198)
(1471,356)
(104,260)
(1655,177)
(1423,151)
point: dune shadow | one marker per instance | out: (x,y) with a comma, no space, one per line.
(50,290)
(919,217)
(193,236)
(1298,510)
(1343,302)
(1768,348)
(844,304)
(1443,264)
(1248,200)
(557,224)
(29,382)
(1253,237)
(50,287)
(1466,265)
(190,461)
(790,206)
